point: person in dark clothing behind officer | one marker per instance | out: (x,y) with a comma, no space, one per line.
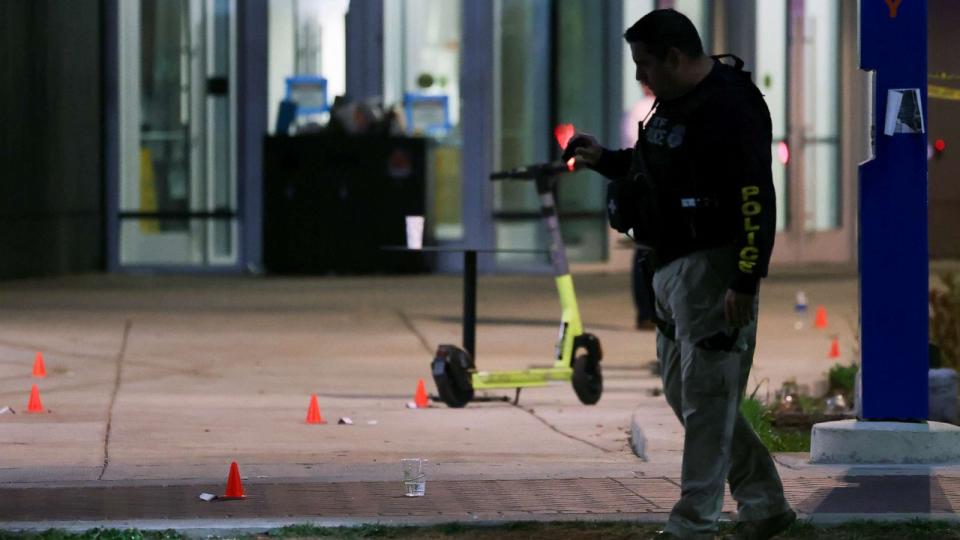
(698,188)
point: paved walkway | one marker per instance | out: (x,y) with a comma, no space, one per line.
(821,499)
(156,384)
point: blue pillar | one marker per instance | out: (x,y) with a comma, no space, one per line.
(476,93)
(251,126)
(893,221)
(365,49)
(111,131)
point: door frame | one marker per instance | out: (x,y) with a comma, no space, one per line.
(248,53)
(796,245)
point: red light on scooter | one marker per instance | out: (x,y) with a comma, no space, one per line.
(563,133)
(571,163)
(939,145)
(783,152)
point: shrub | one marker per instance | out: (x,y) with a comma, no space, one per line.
(760,417)
(945,320)
(842,379)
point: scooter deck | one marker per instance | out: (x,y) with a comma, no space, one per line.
(527,378)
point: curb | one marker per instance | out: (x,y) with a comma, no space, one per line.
(638,441)
(203,528)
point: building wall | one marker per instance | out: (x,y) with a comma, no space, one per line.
(944,116)
(51,187)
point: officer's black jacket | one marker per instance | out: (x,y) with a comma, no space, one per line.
(708,155)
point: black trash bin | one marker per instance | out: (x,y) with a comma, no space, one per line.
(331,202)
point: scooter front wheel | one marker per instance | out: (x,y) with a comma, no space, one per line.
(587,378)
(452,367)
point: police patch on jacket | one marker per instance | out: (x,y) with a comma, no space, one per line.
(675,138)
(661,132)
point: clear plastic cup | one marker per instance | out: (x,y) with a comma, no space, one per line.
(414,477)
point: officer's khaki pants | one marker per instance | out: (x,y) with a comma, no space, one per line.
(705,367)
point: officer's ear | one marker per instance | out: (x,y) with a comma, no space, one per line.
(673,59)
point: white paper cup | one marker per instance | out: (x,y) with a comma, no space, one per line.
(415,232)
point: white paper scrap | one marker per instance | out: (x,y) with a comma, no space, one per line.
(345,420)
(207,497)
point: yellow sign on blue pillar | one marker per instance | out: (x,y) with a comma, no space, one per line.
(894,268)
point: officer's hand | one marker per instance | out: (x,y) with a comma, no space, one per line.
(738,308)
(585,148)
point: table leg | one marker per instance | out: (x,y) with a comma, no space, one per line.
(470,302)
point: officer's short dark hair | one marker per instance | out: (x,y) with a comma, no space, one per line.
(664,28)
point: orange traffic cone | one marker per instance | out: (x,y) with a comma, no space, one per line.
(834,348)
(234,484)
(313,412)
(34,406)
(420,398)
(39,370)
(821,320)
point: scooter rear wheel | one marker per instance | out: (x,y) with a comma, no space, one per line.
(451,369)
(587,378)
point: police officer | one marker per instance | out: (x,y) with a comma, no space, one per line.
(698,188)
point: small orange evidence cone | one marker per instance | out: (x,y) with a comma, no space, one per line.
(420,398)
(313,412)
(234,484)
(35,406)
(39,370)
(821,320)
(834,348)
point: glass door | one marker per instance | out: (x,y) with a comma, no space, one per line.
(799,57)
(177,184)
(422,48)
(770,75)
(521,128)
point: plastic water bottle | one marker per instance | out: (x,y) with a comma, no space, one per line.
(800,311)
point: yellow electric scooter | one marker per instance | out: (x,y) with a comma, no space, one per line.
(578,354)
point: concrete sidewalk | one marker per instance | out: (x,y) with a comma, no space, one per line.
(163,381)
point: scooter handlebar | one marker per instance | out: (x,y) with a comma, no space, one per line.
(532,172)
